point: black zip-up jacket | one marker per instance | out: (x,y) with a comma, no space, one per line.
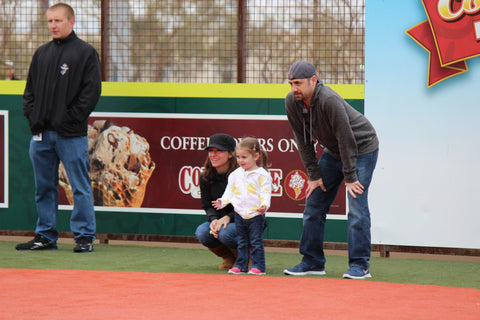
(211,191)
(343,131)
(63,87)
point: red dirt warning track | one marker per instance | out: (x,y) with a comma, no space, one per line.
(77,294)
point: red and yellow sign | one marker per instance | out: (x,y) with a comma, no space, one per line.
(451,35)
(154,161)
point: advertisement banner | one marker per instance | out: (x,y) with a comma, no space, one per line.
(424,187)
(155,160)
(451,35)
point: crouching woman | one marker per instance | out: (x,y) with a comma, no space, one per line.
(218,234)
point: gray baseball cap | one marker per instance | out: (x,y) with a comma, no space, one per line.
(301,70)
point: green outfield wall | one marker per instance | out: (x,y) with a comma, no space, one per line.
(18,211)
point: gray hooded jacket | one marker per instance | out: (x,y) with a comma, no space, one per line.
(343,131)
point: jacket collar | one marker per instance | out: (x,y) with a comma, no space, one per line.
(308,115)
(316,92)
(69,38)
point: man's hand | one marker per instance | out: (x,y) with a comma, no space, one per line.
(312,185)
(354,188)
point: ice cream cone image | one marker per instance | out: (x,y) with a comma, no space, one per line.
(297,191)
(120,166)
(297,183)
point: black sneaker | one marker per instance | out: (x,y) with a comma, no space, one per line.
(38,243)
(84,245)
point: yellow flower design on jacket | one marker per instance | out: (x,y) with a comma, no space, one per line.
(247,191)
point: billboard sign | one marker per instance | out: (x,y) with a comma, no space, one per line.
(155,160)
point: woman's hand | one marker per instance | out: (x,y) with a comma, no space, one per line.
(213,229)
(217,224)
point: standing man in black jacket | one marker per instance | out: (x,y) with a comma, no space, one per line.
(63,88)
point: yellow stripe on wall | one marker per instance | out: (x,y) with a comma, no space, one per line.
(15,87)
(196,90)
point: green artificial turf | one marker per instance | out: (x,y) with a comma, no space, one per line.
(181,260)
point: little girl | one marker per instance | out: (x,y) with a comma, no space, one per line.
(249,190)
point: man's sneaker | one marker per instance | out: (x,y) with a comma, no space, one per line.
(38,243)
(302,269)
(84,245)
(235,270)
(256,271)
(357,273)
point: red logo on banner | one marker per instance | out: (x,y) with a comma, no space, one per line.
(451,35)
(296,185)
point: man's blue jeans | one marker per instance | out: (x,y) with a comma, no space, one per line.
(227,236)
(319,202)
(250,234)
(46,155)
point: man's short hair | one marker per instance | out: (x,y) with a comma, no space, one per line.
(68,8)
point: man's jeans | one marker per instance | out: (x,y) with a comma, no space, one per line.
(46,155)
(318,204)
(227,236)
(250,234)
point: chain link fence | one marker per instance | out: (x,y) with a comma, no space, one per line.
(200,41)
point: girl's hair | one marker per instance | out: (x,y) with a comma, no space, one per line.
(210,171)
(253,146)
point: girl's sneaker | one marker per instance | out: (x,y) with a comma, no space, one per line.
(235,271)
(256,271)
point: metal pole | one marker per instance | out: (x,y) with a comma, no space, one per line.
(105,37)
(241,41)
